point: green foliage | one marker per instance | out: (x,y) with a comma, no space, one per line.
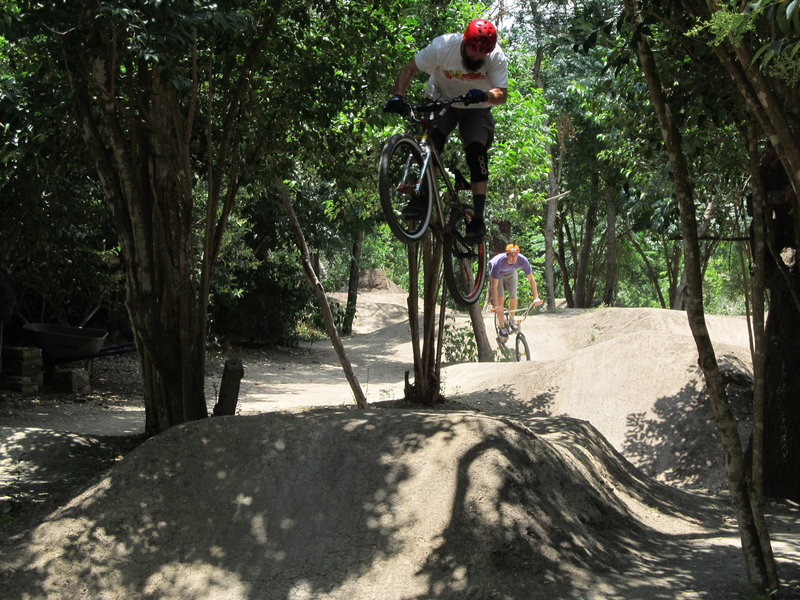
(519,158)
(505,354)
(772,25)
(56,236)
(727,24)
(383,251)
(459,344)
(723,286)
(275,299)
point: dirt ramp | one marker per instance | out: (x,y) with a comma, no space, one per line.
(342,504)
(642,390)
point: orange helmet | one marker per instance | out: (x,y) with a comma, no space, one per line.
(513,248)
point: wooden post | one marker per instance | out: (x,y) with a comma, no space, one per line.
(229,388)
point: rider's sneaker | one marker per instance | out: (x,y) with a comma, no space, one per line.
(476,230)
(513,326)
(503,332)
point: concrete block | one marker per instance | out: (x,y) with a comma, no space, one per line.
(73,380)
(23,385)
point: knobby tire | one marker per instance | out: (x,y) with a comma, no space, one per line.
(521,348)
(464,262)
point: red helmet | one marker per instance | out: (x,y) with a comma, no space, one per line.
(481,35)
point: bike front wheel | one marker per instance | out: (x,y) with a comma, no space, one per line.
(464,261)
(521,349)
(405,189)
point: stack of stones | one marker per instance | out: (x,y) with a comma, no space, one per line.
(22,369)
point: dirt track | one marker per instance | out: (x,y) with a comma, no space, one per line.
(527,498)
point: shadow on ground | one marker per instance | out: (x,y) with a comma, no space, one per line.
(362,504)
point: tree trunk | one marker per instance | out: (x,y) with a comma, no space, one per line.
(485,353)
(612,253)
(562,261)
(652,276)
(352,283)
(413,318)
(756,556)
(782,182)
(782,371)
(321,296)
(429,389)
(782,408)
(673,258)
(139,129)
(582,294)
(145,180)
(549,237)
(228,398)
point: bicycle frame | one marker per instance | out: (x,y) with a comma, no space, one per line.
(410,169)
(432,155)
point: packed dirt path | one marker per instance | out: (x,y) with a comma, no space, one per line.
(593,471)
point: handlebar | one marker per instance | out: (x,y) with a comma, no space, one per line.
(421,112)
(521,313)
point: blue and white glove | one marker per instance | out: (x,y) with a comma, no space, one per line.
(475,97)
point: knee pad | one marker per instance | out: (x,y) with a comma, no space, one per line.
(478,162)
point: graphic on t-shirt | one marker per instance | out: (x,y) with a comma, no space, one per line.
(454,74)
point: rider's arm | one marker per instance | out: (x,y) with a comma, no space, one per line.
(404,77)
(534,288)
(498,302)
(497,96)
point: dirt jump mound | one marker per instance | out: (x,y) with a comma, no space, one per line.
(353,505)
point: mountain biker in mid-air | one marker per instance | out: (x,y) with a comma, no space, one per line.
(503,272)
(470,64)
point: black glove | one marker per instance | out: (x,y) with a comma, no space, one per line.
(396,104)
(475,97)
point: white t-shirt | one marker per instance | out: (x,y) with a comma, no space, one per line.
(441,59)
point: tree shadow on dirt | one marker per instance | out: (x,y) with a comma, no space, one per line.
(506,400)
(679,443)
(42,469)
(355,504)
(557,529)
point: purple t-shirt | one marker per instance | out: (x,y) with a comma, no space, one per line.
(499,266)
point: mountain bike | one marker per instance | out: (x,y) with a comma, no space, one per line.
(521,348)
(411,173)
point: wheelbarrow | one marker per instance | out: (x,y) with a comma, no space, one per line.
(63,344)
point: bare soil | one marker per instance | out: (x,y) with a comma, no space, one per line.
(593,471)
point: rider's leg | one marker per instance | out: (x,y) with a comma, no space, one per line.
(477,134)
(513,300)
(478,187)
(512,309)
(501,293)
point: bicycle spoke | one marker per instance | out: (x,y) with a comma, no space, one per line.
(404,188)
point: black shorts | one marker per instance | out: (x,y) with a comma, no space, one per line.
(475,125)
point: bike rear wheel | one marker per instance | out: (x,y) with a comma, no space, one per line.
(521,349)
(464,262)
(401,182)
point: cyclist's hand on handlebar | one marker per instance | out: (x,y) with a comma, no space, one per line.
(475,97)
(396,104)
